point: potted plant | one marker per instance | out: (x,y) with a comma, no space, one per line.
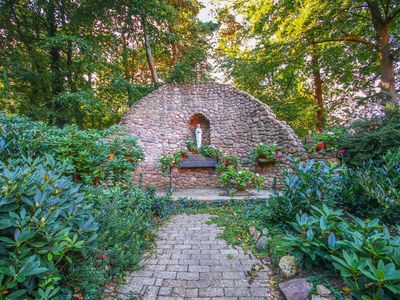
(265,154)
(323,140)
(226,161)
(241,179)
(191,145)
(210,151)
(169,161)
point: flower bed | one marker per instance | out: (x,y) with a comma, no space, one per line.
(169,161)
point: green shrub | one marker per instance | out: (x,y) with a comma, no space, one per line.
(309,183)
(43,221)
(373,189)
(126,218)
(364,252)
(96,155)
(371,139)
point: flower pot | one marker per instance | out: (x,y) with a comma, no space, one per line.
(243,188)
(321,146)
(265,160)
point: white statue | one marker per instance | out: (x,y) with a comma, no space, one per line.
(198,133)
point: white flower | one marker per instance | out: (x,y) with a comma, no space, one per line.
(331,133)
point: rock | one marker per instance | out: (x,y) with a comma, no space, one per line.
(296,289)
(254,232)
(323,290)
(262,243)
(265,232)
(288,265)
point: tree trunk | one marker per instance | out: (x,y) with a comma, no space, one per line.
(381,27)
(318,95)
(386,62)
(57,76)
(149,56)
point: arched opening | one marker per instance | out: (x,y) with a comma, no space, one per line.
(204,125)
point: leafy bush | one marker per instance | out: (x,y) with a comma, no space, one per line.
(43,221)
(309,183)
(241,179)
(364,252)
(94,157)
(371,139)
(373,189)
(126,218)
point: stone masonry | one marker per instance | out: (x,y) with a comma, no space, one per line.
(237,122)
(192,263)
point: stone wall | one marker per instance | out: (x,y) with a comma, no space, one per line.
(237,122)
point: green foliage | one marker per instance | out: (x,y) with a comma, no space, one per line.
(96,155)
(372,138)
(170,161)
(265,152)
(126,218)
(373,189)
(57,68)
(226,161)
(43,221)
(364,252)
(210,151)
(241,179)
(310,183)
(173,160)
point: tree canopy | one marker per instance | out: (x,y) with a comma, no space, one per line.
(308,58)
(85,62)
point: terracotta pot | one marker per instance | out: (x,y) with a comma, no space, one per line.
(321,146)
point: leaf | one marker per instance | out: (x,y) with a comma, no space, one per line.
(323,223)
(332,240)
(16,294)
(310,234)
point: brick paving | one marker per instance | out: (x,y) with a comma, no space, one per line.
(192,263)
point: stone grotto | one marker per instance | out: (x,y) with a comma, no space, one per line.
(231,120)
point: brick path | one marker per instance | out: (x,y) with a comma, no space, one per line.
(192,263)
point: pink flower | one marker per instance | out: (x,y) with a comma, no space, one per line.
(277,155)
(322,130)
(341,151)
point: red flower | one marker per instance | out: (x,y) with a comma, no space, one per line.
(261,156)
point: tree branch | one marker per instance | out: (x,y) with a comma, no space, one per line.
(347,38)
